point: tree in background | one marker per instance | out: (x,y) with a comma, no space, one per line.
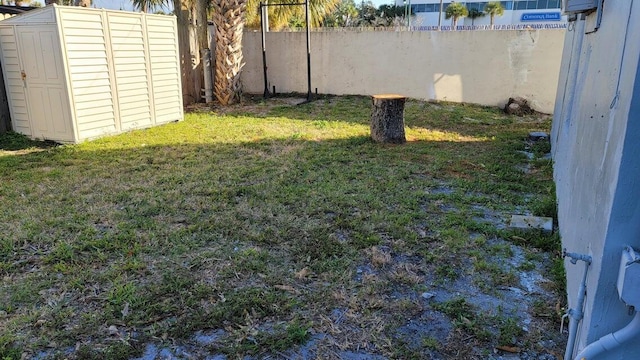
(456,11)
(58,2)
(81,3)
(345,14)
(474,14)
(392,11)
(281,16)
(492,9)
(393,14)
(367,14)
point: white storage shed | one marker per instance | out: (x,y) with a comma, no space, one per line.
(73,73)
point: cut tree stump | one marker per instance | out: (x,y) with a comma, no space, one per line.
(387,118)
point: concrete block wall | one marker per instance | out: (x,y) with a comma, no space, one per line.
(482,67)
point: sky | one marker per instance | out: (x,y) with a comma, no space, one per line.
(377,3)
(113,4)
(107,4)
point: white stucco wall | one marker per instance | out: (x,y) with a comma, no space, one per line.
(482,67)
(595,151)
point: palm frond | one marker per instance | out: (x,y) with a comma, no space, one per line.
(146,5)
(280,16)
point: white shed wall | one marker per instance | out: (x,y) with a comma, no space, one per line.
(85,44)
(13,81)
(165,70)
(130,64)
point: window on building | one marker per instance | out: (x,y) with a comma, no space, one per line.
(507,5)
(535,4)
(553,4)
(418,8)
(476,5)
(436,7)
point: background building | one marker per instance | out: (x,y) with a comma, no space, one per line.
(516,12)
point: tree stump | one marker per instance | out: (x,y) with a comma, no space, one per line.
(387,118)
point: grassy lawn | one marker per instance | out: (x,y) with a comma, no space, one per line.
(270,230)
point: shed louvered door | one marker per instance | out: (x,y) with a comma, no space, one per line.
(44,79)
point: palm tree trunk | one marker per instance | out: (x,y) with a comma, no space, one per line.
(229,24)
(491,18)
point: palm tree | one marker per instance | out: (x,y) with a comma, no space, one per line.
(455,11)
(229,19)
(146,5)
(492,9)
(229,23)
(345,14)
(280,16)
(474,14)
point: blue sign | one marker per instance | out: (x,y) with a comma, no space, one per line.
(545,16)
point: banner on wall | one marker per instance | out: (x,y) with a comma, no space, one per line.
(545,16)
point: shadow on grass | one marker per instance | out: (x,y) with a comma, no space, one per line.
(12,141)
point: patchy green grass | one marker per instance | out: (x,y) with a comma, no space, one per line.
(273,224)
